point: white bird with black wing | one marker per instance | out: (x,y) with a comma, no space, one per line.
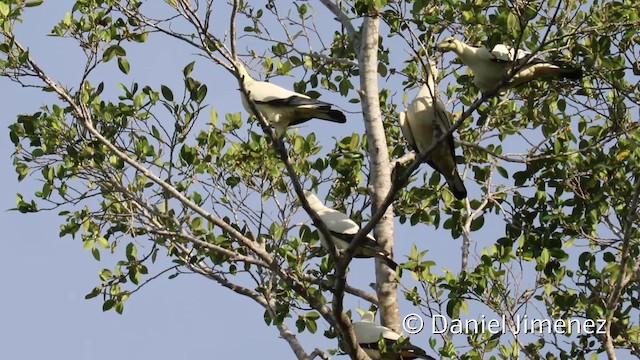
(282,108)
(368,335)
(424,121)
(343,231)
(489,67)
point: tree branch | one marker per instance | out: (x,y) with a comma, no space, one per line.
(344,21)
(624,276)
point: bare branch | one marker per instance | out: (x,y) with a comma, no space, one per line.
(232,29)
(344,20)
(408,157)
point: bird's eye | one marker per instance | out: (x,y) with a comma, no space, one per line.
(450,41)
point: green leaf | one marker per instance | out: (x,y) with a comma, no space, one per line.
(131,252)
(512,23)
(379,4)
(103,243)
(594,131)
(502,171)
(188,69)
(544,257)
(166,92)
(123,64)
(312,326)
(88,244)
(95,292)
(476,224)
(464,306)
(453,308)
(111,51)
(33,3)
(108,305)
(213,116)
(4,9)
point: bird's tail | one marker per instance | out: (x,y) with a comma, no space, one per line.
(425,357)
(568,71)
(391,264)
(572,73)
(384,256)
(410,351)
(371,248)
(332,115)
(456,185)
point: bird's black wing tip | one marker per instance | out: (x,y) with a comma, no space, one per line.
(569,71)
(392,264)
(338,116)
(574,74)
(460,194)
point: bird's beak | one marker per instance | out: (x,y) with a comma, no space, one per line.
(443,46)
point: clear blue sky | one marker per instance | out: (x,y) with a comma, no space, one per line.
(43,312)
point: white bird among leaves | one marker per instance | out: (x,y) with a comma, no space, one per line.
(282,108)
(424,121)
(368,334)
(489,67)
(343,231)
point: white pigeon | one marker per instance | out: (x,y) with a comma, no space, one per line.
(426,120)
(489,67)
(343,230)
(282,107)
(368,333)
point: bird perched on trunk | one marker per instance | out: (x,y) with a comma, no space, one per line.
(343,231)
(368,334)
(424,121)
(281,107)
(489,67)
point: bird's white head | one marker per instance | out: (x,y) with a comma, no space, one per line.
(368,316)
(312,199)
(242,72)
(450,44)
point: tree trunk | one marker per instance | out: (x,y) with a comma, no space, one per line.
(386,286)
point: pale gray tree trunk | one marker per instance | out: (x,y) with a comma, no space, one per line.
(386,285)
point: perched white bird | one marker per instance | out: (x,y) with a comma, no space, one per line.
(426,120)
(343,230)
(282,107)
(368,333)
(490,66)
